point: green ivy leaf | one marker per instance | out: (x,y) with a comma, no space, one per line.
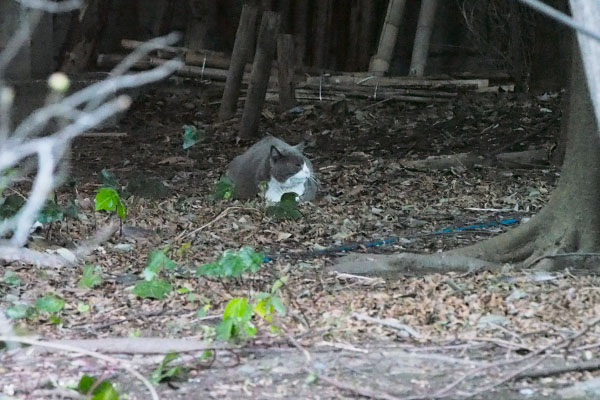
(11,278)
(50,303)
(108,199)
(233,264)
(225,330)
(18,311)
(154,289)
(50,213)
(156,262)
(287,208)
(92,276)
(191,136)
(103,391)
(223,189)
(277,304)
(236,320)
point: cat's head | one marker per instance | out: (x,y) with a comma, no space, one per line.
(288,166)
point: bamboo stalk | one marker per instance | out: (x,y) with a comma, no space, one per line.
(422,37)
(380,63)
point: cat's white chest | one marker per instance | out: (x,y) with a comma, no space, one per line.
(294,184)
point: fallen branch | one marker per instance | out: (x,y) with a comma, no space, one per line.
(61,346)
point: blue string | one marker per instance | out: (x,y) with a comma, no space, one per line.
(383,242)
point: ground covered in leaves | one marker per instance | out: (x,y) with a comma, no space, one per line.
(442,336)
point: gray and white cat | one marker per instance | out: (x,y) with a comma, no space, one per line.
(271,160)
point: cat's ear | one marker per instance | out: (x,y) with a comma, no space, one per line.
(275,154)
(300,146)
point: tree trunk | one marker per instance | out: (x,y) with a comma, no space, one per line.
(300,23)
(241,52)
(380,63)
(286,63)
(365,32)
(266,45)
(83,36)
(422,37)
(352,53)
(516,51)
(203,14)
(569,223)
(320,42)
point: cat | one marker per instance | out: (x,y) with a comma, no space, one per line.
(283,167)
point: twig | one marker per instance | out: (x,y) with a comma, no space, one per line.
(103,134)
(63,347)
(218,217)
(390,323)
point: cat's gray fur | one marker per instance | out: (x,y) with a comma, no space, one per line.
(270,158)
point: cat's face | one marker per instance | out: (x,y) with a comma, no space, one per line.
(288,166)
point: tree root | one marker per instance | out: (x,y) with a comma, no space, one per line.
(410,264)
(538,243)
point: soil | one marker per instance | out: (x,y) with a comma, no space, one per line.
(445,335)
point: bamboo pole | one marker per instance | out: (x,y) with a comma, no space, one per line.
(380,63)
(422,37)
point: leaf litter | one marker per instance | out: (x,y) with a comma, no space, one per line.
(387,335)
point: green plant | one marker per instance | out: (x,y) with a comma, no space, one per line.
(287,208)
(269,303)
(108,199)
(191,136)
(236,323)
(50,304)
(233,264)
(151,286)
(98,390)
(223,189)
(92,276)
(164,372)
(11,278)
